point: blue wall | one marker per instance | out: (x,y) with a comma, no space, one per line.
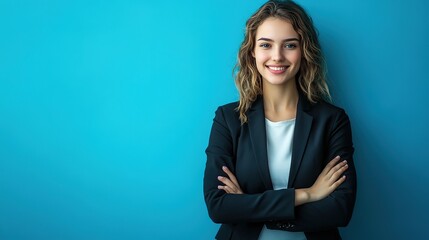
(106,107)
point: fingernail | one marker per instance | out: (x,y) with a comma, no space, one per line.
(219,177)
(345,161)
(224,167)
(219,187)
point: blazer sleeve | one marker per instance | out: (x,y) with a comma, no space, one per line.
(237,208)
(336,209)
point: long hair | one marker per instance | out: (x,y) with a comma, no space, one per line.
(311,77)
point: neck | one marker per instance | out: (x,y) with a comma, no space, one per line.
(280,101)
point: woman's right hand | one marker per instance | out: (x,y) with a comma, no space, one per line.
(329,179)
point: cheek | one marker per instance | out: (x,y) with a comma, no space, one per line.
(261,57)
(295,57)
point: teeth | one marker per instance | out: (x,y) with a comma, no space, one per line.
(277,68)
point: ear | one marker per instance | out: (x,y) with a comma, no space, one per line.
(253,53)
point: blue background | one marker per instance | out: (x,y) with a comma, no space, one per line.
(106,108)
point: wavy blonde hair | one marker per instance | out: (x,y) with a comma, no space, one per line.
(311,77)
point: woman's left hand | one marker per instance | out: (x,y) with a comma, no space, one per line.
(231,183)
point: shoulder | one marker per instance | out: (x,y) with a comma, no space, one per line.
(228,114)
(323,108)
(229,110)
(229,107)
(328,114)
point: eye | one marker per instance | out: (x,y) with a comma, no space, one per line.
(290,45)
(264,45)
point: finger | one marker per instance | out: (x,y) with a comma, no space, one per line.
(230,175)
(235,185)
(336,168)
(227,182)
(331,164)
(231,190)
(337,174)
(337,183)
(337,171)
(226,189)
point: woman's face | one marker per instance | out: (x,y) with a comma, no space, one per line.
(277,51)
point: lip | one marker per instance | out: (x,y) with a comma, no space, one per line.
(277,69)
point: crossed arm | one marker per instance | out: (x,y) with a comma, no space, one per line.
(329,179)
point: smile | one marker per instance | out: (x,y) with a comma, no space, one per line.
(277,69)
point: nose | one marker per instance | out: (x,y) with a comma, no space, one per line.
(277,54)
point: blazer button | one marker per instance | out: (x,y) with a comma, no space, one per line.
(289,225)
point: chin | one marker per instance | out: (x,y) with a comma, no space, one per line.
(279,82)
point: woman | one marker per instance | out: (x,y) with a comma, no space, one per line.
(280,161)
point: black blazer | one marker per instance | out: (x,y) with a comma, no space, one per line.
(322,131)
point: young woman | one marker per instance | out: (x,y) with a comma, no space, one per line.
(280,161)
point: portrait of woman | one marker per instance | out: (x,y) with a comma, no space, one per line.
(280,160)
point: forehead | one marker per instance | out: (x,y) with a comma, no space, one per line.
(274,28)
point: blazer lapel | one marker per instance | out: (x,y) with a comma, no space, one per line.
(257,132)
(302,131)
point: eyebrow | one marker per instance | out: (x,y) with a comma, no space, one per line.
(285,40)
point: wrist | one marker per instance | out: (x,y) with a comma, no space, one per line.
(302,196)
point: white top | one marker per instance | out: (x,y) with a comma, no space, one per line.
(279,151)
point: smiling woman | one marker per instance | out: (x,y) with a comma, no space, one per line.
(280,160)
